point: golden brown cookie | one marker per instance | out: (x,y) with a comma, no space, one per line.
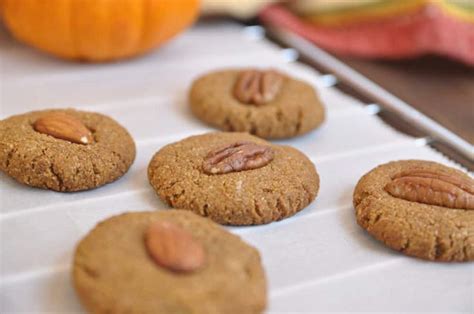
(234,178)
(265,103)
(421,208)
(64,150)
(115,270)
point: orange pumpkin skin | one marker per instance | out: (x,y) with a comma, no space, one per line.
(97,30)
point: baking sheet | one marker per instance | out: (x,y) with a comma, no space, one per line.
(318,260)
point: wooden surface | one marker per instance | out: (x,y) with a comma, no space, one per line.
(440,88)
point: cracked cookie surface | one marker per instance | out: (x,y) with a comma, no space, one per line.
(43,161)
(273,192)
(114,273)
(295,110)
(416,229)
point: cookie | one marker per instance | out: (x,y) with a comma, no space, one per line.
(64,150)
(234,178)
(421,208)
(265,103)
(116,270)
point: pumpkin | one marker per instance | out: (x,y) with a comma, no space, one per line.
(97,30)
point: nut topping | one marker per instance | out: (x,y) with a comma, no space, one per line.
(174,248)
(433,188)
(257,87)
(237,157)
(63,126)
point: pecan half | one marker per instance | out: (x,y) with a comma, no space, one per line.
(63,126)
(237,157)
(257,87)
(433,188)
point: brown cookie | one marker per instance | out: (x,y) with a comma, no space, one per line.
(64,150)
(265,103)
(115,269)
(421,208)
(234,178)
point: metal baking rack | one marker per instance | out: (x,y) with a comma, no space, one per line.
(387,106)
